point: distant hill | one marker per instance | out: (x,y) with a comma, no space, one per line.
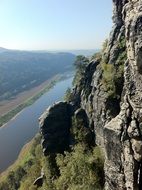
(3,49)
(84,52)
(22,70)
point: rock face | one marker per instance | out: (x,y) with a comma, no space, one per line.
(55,128)
(116,122)
(123,137)
(81,123)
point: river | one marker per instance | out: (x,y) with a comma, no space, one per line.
(20,130)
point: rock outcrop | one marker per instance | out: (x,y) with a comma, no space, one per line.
(123,137)
(115,120)
(55,126)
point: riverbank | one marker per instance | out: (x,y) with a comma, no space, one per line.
(31,98)
(23,157)
(22,128)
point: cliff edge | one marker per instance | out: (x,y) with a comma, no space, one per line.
(110,93)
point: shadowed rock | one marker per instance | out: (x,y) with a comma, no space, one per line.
(55,128)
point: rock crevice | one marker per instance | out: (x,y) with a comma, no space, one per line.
(116,121)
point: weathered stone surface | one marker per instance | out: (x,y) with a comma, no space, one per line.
(118,129)
(117,125)
(129,143)
(82,124)
(39,181)
(55,128)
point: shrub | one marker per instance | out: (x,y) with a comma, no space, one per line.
(68,95)
(26,169)
(96,56)
(108,79)
(80,64)
(80,169)
(112,76)
(105,45)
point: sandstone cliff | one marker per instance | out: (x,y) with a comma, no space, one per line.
(123,137)
(114,113)
(103,114)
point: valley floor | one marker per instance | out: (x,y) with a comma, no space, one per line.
(10,108)
(7,105)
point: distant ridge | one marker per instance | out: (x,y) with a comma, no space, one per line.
(85,52)
(22,70)
(3,49)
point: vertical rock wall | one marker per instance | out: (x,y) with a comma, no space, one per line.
(117,126)
(119,129)
(123,134)
(55,126)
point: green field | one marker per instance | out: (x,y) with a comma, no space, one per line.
(5,118)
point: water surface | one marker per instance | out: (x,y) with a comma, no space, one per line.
(24,126)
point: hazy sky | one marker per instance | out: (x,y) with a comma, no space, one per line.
(54,24)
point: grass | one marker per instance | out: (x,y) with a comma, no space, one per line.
(5,118)
(28,160)
(24,156)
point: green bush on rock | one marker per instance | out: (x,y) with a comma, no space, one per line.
(112,74)
(80,169)
(80,64)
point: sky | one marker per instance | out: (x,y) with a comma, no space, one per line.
(54,24)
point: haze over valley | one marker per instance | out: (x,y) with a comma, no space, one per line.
(71,95)
(23,70)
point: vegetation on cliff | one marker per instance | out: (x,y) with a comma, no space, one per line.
(112,76)
(81,167)
(97,106)
(80,65)
(26,167)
